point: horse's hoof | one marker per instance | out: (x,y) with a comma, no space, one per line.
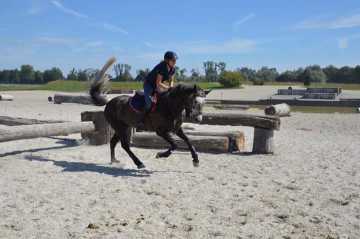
(196,163)
(158,155)
(141,166)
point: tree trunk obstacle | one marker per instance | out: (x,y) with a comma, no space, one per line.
(278,110)
(84,99)
(95,128)
(6,97)
(44,130)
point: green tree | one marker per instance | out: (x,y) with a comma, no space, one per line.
(73,75)
(267,74)
(230,79)
(27,74)
(53,75)
(313,74)
(249,74)
(122,72)
(141,74)
(210,69)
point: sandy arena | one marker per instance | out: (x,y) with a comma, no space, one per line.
(62,188)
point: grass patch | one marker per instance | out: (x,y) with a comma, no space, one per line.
(81,86)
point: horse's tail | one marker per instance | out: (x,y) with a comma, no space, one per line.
(97,87)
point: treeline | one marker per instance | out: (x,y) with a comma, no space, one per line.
(213,72)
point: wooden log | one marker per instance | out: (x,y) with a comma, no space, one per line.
(263,141)
(208,144)
(12,121)
(44,130)
(231,107)
(278,110)
(236,138)
(84,99)
(259,121)
(103,132)
(6,97)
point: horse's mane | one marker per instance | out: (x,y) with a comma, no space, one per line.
(179,90)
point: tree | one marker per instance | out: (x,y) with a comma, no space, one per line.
(27,74)
(231,79)
(53,75)
(220,67)
(313,74)
(141,74)
(38,77)
(267,74)
(210,69)
(332,73)
(287,76)
(249,74)
(72,76)
(122,72)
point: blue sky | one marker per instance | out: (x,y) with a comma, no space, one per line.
(83,34)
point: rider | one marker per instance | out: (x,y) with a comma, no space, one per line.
(155,80)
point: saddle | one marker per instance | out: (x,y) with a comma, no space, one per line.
(137,102)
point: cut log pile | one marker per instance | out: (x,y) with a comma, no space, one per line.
(60,98)
(4,97)
(278,110)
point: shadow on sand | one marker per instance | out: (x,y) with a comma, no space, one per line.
(91,167)
(65,143)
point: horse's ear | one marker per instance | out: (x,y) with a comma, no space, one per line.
(195,89)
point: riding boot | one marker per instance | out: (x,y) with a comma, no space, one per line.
(141,123)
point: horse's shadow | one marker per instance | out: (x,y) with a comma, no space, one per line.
(91,167)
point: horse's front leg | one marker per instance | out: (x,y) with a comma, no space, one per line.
(192,149)
(170,140)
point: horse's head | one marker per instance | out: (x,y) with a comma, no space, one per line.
(194,103)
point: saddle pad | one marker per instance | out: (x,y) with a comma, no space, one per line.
(137,102)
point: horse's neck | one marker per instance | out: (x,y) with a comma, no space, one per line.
(174,105)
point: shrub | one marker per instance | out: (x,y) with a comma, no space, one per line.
(230,79)
(258,82)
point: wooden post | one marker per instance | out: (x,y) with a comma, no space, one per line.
(103,132)
(263,141)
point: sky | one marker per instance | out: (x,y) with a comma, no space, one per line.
(84,34)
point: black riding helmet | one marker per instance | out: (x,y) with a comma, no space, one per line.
(170,55)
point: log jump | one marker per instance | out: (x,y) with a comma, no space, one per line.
(6,97)
(264,127)
(97,131)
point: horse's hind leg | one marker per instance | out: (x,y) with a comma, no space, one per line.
(114,140)
(169,139)
(125,144)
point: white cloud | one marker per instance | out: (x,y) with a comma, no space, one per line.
(343,43)
(338,23)
(57,40)
(148,44)
(234,46)
(94,44)
(113,28)
(241,21)
(69,11)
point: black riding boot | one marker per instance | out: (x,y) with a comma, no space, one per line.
(141,123)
